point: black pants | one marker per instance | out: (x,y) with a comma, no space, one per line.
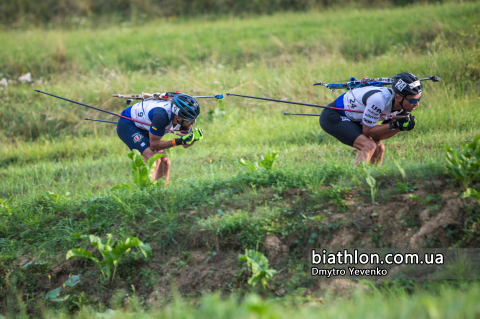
(134,137)
(340,126)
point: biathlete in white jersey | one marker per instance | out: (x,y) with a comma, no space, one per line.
(180,113)
(360,130)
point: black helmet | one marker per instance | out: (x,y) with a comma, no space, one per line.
(185,106)
(406,84)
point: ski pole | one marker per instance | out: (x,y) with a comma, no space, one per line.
(301,114)
(93,107)
(297,103)
(100,121)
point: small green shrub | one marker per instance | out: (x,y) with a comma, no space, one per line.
(5,204)
(252,235)
(141,171)
(472,193)
(404,187)
(259,266)
(265,163)
(111,256)
(430,199)
(53,295)
(464,164)
(370,181)
(335,195)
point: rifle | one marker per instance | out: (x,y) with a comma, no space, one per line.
(356,83)
(160,96)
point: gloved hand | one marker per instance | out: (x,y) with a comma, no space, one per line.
(406,123)
(195,135)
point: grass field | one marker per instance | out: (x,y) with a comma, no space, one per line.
(47,147)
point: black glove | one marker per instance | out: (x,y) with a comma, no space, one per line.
(406,123)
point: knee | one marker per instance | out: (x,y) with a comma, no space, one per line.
(369,146)
(165,161)
(380,148)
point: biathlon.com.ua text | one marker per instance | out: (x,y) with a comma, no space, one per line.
(350,259)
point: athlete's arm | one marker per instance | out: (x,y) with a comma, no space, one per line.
(375,105)
(157,144)
(160,120)
(379,132)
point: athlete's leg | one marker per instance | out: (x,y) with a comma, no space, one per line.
(136,138)
(377,157)
(162,166)
(349,133)
(367,148)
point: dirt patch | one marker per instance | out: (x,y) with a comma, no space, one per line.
(449,214)
(204,272)
(274,247)
(294,193)
(401,223)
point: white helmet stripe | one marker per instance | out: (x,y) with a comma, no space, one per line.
(414,84)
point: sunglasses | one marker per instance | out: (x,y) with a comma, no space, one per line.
(413,101)
(190,121)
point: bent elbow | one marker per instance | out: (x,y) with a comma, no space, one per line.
(366,130)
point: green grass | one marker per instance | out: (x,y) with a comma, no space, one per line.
(45,146)
(448,302)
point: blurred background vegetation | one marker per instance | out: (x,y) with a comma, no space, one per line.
(70,12)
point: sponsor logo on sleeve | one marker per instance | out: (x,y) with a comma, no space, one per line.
(367,121)
(376,109)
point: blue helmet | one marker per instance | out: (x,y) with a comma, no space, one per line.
(185,106)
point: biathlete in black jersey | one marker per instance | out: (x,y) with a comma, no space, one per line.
(360,130)
(180,113)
